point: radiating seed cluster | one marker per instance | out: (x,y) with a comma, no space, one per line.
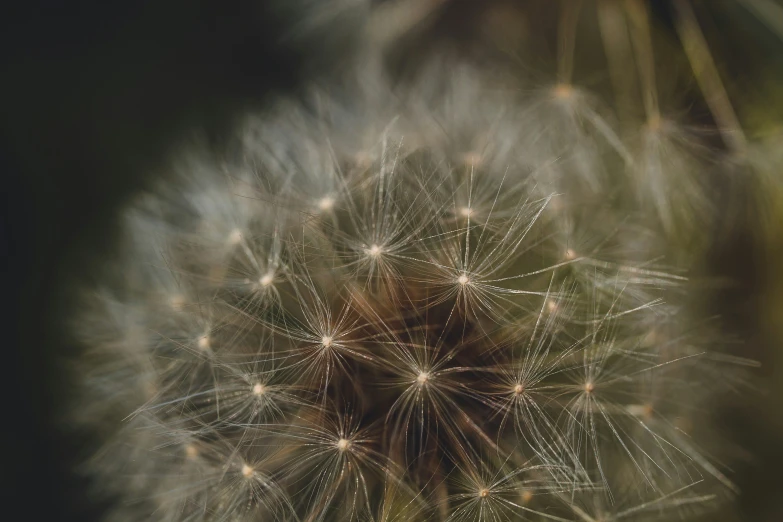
(410,337)
(440,303)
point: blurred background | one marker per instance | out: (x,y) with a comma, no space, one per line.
(95,94)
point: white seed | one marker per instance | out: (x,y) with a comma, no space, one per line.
(326,203)
(472,159)
(203,342)
(267,279)
(235,237)
(190,451)
(563,91)
(177,302)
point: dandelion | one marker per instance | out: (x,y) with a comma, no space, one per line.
(455,296)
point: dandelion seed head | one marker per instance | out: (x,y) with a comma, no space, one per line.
(235,237)
(177,302)
(266,280)
(473,159)
(654,123)
(191,452)
(326,203)
(468,349)
(644,411)
(563,91)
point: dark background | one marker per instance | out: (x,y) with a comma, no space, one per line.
(93,95)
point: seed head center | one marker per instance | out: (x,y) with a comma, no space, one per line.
(191,452)
(326,342)
(463,279)
(267,279)
(259,389)
(423,378)
(343,444)
(374,251)
(563,91)
(235,236)
(177,302)
(247,471)
(589,387)
(326,203)
(363,159)
(203,342)
(483,493)
(473,159)
(519,389)
(466,211)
